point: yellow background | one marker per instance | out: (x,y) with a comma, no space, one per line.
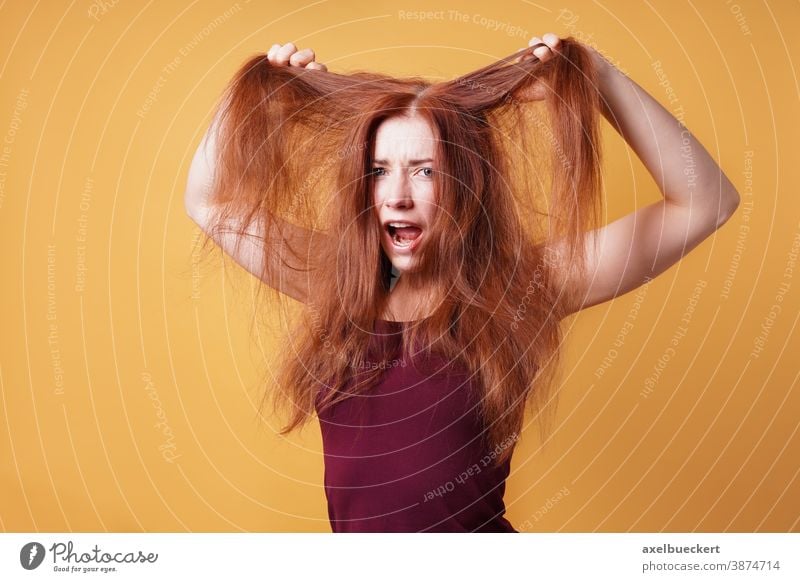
(713,447)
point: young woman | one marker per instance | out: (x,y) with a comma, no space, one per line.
(437,234)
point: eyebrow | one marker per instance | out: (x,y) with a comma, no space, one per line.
(410,162)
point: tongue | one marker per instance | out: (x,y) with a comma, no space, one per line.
(407,232)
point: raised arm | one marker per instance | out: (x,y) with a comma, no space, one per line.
(249,251)
(698,197)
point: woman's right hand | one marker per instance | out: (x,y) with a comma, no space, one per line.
(289,55)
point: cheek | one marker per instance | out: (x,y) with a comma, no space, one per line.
(430,203)
(378,195)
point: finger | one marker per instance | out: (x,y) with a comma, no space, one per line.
(301,58)
(542,52)
(273,51)
(317,66)
(539,49)
(551,40)
(287,50)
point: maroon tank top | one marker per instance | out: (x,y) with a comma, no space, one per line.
(406,456)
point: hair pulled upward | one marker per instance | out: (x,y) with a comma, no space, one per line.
(515,177)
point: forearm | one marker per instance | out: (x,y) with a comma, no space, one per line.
(683,170)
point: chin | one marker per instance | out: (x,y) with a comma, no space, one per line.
(402,264)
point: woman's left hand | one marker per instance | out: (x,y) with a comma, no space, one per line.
(544,52)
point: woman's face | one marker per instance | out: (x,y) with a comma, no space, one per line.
(403,190)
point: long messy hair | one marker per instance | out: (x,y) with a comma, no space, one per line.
(515,178)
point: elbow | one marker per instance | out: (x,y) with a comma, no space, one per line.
(728,204)
(718,199)
(197,212)
(187,204)
(190,206)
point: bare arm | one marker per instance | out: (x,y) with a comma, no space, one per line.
(249,253)
(698,197)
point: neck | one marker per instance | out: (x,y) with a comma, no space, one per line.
(409,300)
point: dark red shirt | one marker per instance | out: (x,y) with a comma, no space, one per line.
(407,455)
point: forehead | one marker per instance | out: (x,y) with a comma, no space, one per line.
(404,138)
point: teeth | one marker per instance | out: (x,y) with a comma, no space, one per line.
(399,243)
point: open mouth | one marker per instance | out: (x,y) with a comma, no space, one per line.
(403,236)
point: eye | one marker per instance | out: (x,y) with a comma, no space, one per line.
(429,170)
(377,171)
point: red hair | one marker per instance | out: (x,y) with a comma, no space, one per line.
(295,147)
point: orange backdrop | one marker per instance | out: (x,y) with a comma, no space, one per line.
(127,370)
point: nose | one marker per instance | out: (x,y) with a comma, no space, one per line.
(398,194)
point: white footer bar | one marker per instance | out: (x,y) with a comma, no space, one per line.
(415,557)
